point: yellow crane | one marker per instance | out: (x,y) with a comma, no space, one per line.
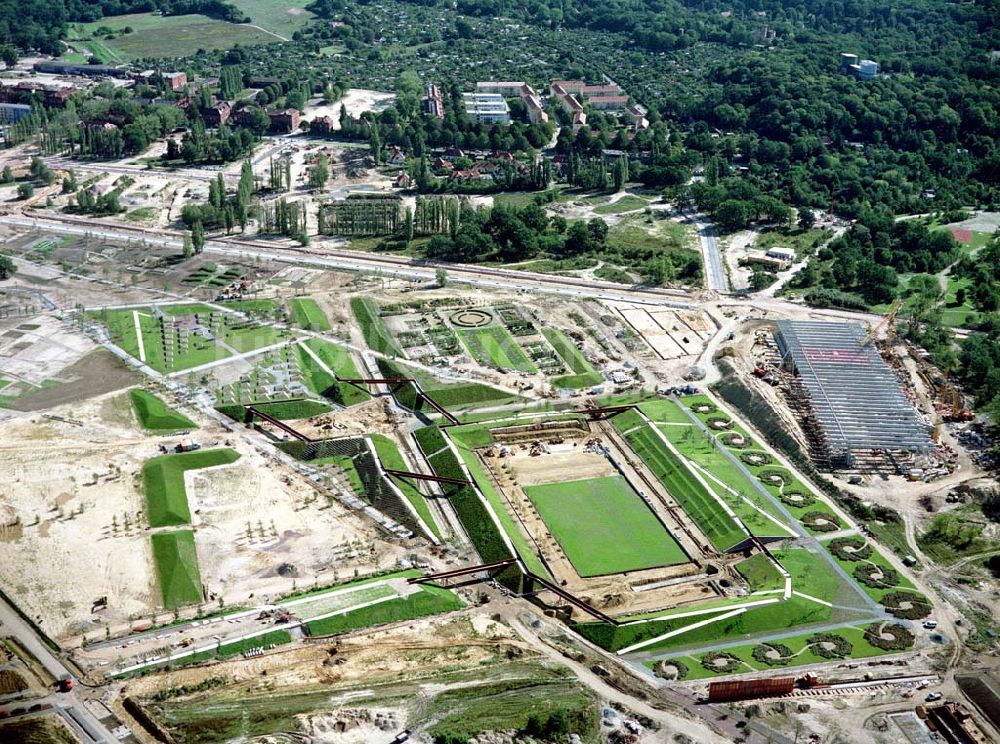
(888,322)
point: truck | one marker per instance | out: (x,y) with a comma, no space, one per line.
(187,445)
(65,683)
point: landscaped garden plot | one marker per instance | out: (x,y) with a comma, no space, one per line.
(584,374)
(391,458)
(171,338)
(699,504)
(338,360)
(376,335)
(429,600)
(163,481)
(604,527)
(760,573)
(856,552)
(155,415)
(493,346)
(306,313)
(451,395)
(177,567)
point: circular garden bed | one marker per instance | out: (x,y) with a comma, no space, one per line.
(772,654)
(876,576)
(907,605)
(672,669)
(719,422)
(721,662)
(893,637)
(821,521)
(734,439)
(850,548)
(797,498)
(775,477)
(830,645)
(703,407)
(756,458)
(471,318)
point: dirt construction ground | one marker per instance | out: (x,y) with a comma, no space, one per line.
(70,491)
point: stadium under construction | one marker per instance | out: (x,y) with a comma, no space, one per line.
(850,400)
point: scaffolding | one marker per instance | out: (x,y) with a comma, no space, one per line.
(855,400)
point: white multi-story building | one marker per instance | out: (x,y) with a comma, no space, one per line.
(487,108)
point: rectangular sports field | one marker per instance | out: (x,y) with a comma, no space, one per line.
(604,526)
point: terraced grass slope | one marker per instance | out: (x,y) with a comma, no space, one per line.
(604,527)
(283,410)
(177,568)
(392,459)
(155,415)
(163,481)
(430,600)
(376,335)
(493,346)
(451,395)
(584,375)
(306,313)
(339,361)
(696,501)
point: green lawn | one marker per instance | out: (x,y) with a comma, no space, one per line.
(177,568)
(306,313)
(430,600)
(760,573)
(604,527)
(392,459)
(163,482)
(376,335)
(584,374)
(700,505)
(166,36)
(283,410)
(627,203)
(813,576)
(493,346)
(155,415)
(340,362)
(283,17)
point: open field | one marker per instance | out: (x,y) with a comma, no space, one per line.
(283,17)
(700,505)
(163,479)
(155,35)
(155,415)
(306,313)
(177,567)
(604,527)
(493,346)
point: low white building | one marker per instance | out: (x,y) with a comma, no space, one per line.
(487,108)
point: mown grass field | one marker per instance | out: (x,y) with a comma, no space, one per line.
(155,35)
(306,313)
(584,374)
(283,17)
(155,415)
(700,505)
(430,600)
(177,567)
(603,526)
(760,573)
(493,346)
(340,362)
(163,481)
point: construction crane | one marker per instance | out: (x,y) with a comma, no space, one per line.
(888,322)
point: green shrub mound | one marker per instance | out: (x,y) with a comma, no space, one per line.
(784,654)
(719,422)
(797,498)
(756,458)
(876,576)
(735,440)
(917,605)
(710,662)
(859,548)
(901,638)
(821,521)
(775,477)
(681,668)
(841,646)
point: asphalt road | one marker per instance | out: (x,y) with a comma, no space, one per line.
(67,705)
(715,273)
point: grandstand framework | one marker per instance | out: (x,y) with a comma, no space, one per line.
(855,401)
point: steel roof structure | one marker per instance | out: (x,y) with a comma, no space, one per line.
(853,393)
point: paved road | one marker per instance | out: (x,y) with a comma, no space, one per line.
(715,273)
(68,705)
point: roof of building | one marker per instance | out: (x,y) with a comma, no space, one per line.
(854,394)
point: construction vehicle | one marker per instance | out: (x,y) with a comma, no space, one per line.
(187,445)
(888,322)
(186,642)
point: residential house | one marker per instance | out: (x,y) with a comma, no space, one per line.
(396,156)
(286,121)
(218,114)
